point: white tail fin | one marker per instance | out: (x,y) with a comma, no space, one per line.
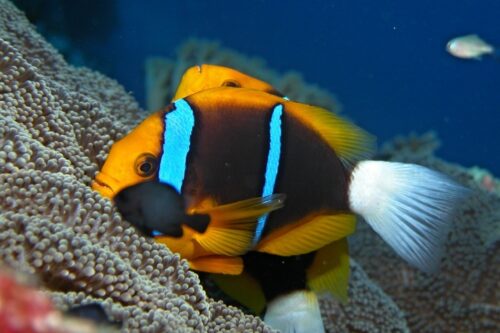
(296,312)
(408,205)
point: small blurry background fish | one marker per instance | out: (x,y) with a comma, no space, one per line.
(470,47)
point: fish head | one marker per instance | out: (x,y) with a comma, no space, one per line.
(202,77)
(132,159)
(459,49)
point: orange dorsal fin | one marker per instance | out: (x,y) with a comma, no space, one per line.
(350,142)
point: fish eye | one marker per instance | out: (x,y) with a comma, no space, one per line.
(146,165)
(231,83)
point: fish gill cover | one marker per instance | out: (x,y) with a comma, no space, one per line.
(57,124)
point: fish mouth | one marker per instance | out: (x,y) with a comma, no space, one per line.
(103,184)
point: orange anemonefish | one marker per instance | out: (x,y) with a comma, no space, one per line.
(202,77)
(225,145)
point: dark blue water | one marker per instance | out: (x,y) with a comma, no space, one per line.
(384,60)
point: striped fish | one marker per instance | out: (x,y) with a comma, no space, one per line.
(203,77)
(234,153)
(225,145)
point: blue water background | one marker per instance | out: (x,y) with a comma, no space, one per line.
(384,60)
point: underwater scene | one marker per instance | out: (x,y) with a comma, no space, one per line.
(249,166)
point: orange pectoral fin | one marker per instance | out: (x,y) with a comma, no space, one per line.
(185,246)
(232,226)
(329,271)
(217,264)
(307,235)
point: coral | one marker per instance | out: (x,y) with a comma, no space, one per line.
(160,86)
(485,179)
(369,309)
(163,75)
(413,147)
(28,309)
(464,295)
(25,309)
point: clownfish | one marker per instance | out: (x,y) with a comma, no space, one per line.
(203,77)
(224,145)
(208,257)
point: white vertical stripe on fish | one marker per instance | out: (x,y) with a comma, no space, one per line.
(272,164)
(179,125)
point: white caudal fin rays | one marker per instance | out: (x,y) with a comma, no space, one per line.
(408,205)
(296,312)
